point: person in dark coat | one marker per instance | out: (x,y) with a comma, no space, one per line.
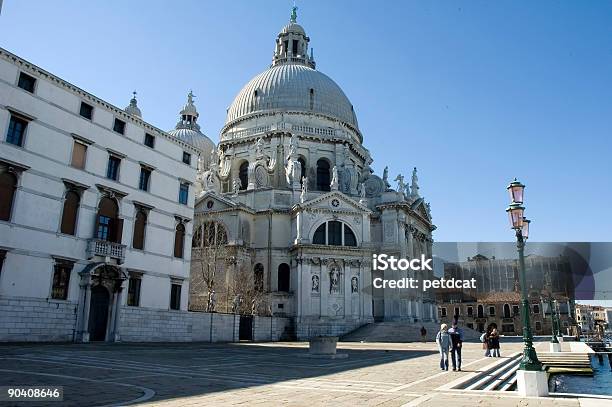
(423,334)
(494,342)
(456,336)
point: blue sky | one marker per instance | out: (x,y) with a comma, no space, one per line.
(472,93)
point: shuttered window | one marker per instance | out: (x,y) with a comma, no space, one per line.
(70,212)
(8,185)
(179,240)
(79,152)
(139,229)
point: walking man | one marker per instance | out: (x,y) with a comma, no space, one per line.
(456,336)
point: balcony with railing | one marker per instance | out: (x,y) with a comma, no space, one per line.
(104,248)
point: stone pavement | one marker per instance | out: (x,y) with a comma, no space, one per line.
(265,374)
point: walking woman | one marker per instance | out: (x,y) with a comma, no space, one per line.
(494,342)
(443,341)
(484,338)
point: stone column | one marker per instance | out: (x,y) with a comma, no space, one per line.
(348,306)
(299,261)
(117,315)
(83,309)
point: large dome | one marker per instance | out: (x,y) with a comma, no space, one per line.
(292,87)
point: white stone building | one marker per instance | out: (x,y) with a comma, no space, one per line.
(291,188)
(95,207)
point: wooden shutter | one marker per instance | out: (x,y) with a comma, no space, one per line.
(8,184)
(118,223)
(69,214)
(78,155)
(139,230)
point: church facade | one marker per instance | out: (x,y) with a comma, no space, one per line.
(289,212)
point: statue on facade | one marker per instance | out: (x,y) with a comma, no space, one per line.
(414,187)
(334,280)
(236,185)
(304,192)
(315,284)
(362,190)
(386,177)
(259,147)
(334,181)
(401,186)
(354,285)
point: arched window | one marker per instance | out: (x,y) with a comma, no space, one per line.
(243,174)
(213,234)
(108,225)
(480,311)
(196,240)
(303,167)
(507,313)
(323,178)
(334,233)
(179,240)
(69,213)
(349,237)
(536,309)
(140,223)
(284,277)
(8,185)
(457,312)
(258,277)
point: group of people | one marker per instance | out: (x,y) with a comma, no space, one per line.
(451,340)
(490,341)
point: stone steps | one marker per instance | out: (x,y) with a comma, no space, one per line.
(399,331)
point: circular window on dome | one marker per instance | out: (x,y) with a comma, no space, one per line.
(209,204)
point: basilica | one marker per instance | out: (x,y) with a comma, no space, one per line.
(289,212)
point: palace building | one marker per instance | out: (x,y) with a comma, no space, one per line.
(291,211)
(96,207)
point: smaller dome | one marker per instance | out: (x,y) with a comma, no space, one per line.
(188,130)
(132,108)
(195,138)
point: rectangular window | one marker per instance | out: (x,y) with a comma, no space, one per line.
(515,309)
(538,326)
(61,279)
(470,311)
(145,176)
(86,110)
(16,131)
(443,311)
(133,298)
(186,158)
(119,126)
(175,296)
(184,193)
(112,171)
(149,140)
(104,224)
(492,311)
(79,153)
(26,82)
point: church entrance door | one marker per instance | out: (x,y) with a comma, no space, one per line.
(98,313)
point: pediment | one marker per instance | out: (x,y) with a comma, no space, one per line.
(420,207)
(212,202)
(333,201)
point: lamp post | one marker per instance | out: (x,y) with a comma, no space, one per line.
(520,224)
(553,318)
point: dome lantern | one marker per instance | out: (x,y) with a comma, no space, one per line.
(132,108)
(292,44)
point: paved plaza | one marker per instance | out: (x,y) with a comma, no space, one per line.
(250,374)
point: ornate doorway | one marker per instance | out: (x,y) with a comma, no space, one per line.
(98,313)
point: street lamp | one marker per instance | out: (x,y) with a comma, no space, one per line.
(520,225)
